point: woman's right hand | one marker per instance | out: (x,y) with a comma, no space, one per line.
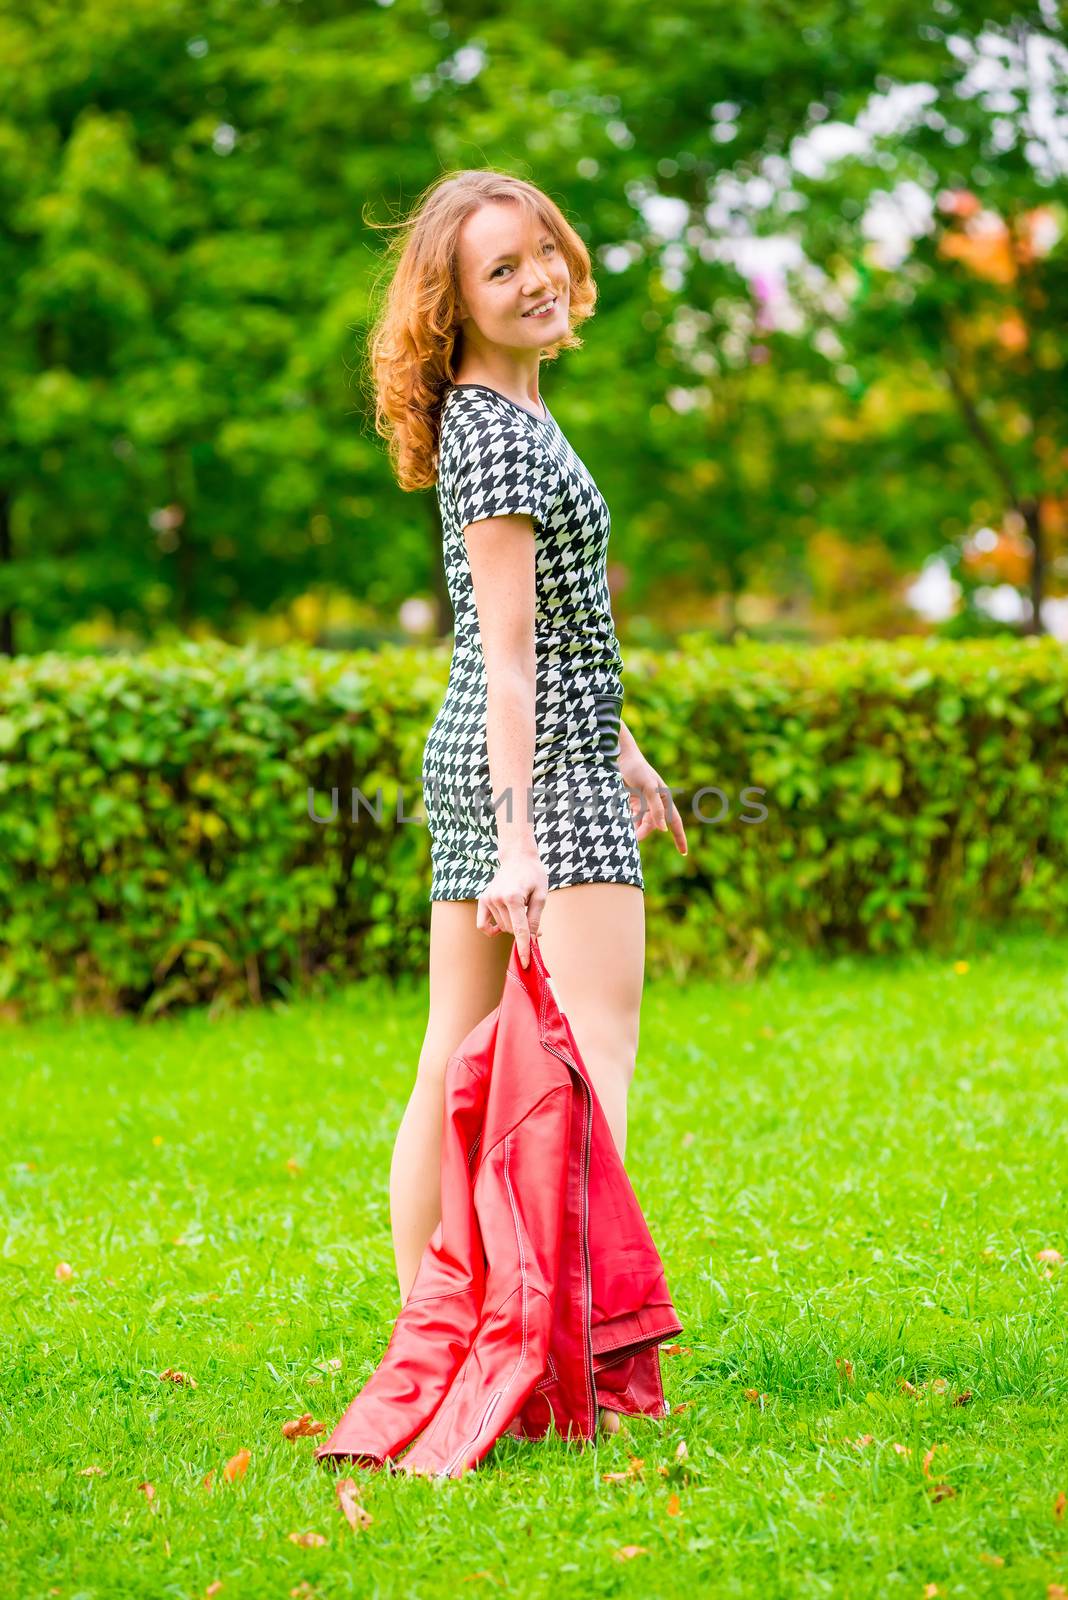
(513,900)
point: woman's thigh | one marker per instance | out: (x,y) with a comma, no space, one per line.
(592,937)
(467,973)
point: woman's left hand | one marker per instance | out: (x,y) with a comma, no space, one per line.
(651,803)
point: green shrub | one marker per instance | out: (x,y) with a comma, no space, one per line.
(156,847)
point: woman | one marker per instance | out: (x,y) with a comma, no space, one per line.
(491,280)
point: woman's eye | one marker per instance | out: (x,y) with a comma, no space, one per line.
(550,245)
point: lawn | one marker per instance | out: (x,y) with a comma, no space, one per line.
(850,1170)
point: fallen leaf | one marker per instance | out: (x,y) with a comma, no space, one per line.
(901,1449)
(1056,1591)
(1052,1258)
(939,1385)
(675,1350)
(88,1472)
(313,1380)
(351,1509)
(293,1165)
(906,1387)
(845,1369)
(943,1491)
(687,1138)
(964,1398)
(862,1440)
(309,1539)
(148,1490)
(928,1458)
(302,1427)
(961,967)
(213,1588)
(930,1591)
(64,1269)
(178,1377)
(207,1478)
(1059,1505)
(683,1405)
(681,1451)
(237,1465)
(991,1561)
(673,1506)
(627,1552)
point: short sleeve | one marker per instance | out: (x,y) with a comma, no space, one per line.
(501,469)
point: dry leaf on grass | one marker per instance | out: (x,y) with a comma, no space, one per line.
(351,1509)
(1051,1258)
(302,1427)
(1059,1505)
(627,1552)
(845,1369)
(928,1458)
(213,1588)
(634,1467)
(964,1398)
(174,1376)
(943,1491)
(991,1561)
(89,1472)
(64,1269)
(237,1465)
(310,1539)
(861,1440)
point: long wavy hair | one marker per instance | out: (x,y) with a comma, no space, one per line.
(415,338)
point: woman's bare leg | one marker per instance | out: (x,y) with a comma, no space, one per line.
(467,974)
(592,937)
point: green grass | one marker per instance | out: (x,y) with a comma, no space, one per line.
(856,1162)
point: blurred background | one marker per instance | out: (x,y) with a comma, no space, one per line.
(823,393)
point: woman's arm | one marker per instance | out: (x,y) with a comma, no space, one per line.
(651,802)
(501,554)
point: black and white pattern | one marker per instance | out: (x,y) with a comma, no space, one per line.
(494,458)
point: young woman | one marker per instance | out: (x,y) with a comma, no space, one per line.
(490,282)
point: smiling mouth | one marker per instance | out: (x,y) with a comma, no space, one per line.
(544,311)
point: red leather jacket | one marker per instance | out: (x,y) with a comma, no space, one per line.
(541,1295)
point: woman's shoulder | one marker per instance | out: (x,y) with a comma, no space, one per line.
(476,421)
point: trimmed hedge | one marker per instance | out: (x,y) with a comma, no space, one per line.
(156,847)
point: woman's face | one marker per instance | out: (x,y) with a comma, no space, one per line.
(508,266)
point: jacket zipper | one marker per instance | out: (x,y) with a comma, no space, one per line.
(591,1396)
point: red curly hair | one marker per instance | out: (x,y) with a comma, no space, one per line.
(412,346)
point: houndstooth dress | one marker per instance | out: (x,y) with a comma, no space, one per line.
(496,457)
